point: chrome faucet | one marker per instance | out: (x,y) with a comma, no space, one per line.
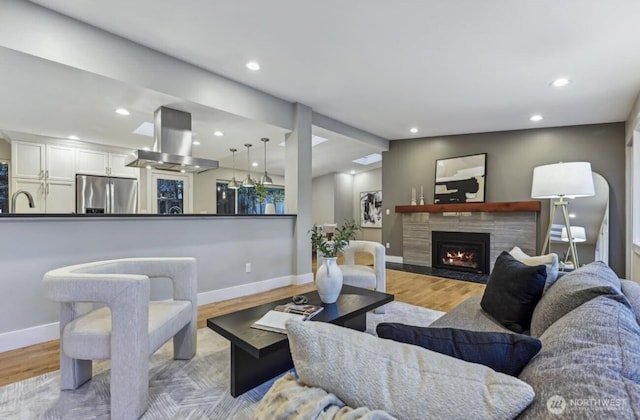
(14,197)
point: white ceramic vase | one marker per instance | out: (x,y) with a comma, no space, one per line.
(329,280)
(270,208)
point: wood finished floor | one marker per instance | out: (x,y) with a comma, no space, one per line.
(427,291)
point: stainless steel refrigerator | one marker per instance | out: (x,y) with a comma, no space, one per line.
(103,194)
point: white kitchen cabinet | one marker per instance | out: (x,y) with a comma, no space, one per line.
(60,197)
(40,161)
(27,160)
(60,163)
(48,197)
(48,173)
(95,162)
(92,162)
(118,167)
(33,186)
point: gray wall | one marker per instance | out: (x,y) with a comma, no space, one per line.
(511,157)
(323,197)
(222,246)
(343,205)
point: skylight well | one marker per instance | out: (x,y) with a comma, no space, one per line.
(369,159)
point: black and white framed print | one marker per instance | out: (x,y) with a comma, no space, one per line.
(460,179)
(371,209)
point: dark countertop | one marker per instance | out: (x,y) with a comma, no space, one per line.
(132,215)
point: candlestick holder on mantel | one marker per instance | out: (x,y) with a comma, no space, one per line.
(413,196)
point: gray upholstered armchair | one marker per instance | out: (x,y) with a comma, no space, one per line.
(129,329)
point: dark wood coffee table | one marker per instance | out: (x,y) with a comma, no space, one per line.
(257,355)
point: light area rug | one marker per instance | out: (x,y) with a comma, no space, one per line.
(178,389)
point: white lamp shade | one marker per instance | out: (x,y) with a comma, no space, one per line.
(577,232)
(567,179)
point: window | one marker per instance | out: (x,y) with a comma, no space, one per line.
(170,193)
(225,199)
(4,187)
(248,200)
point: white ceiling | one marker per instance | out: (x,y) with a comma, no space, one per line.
(444,67)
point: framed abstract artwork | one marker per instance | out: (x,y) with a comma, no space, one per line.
(371,209)
(460,179)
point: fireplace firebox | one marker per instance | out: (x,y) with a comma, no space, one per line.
(462,251)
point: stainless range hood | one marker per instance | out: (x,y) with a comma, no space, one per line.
(171,145)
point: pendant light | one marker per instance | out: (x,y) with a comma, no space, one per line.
(233,185)
(248,182)
(266,179)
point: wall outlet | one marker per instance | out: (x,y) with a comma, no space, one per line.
(388,245)
(247,267)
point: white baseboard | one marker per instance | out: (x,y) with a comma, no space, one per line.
(39,334)
(244,289)
(393,259)
(29,336)
(303,279)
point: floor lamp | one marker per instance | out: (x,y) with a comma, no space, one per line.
(578,234)
(562,180)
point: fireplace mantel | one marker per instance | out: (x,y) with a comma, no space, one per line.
(508,206)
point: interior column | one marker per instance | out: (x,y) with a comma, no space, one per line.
(298,180)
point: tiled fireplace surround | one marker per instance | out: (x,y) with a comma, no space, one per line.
(508,228)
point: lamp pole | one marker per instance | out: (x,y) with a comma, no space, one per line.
(565,216)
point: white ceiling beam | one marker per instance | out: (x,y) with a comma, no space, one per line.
(40,32)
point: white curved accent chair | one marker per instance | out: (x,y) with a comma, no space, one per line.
(129,329)
(363,275)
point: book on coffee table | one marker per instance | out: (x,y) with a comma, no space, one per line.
(275,319)
(308,310)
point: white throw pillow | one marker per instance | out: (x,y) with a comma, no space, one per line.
(408,382)
(549,260)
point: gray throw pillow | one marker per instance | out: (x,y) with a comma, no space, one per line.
(631,290)
(572,290)
(406,381)
(590,358)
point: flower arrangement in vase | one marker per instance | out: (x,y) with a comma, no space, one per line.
(329,275)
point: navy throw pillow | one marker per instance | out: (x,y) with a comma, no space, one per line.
(503,352)
(513,291)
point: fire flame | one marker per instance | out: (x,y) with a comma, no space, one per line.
(458,257)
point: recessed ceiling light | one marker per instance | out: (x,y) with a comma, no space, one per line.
(183,170)
(196,143)
(572,215)
(144,129)
(353,172)
(252,65)
(218,133)
(535,118)
(254,164)
(369,159)
(74,137)
(413,130)
(122,111)
(560,82)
